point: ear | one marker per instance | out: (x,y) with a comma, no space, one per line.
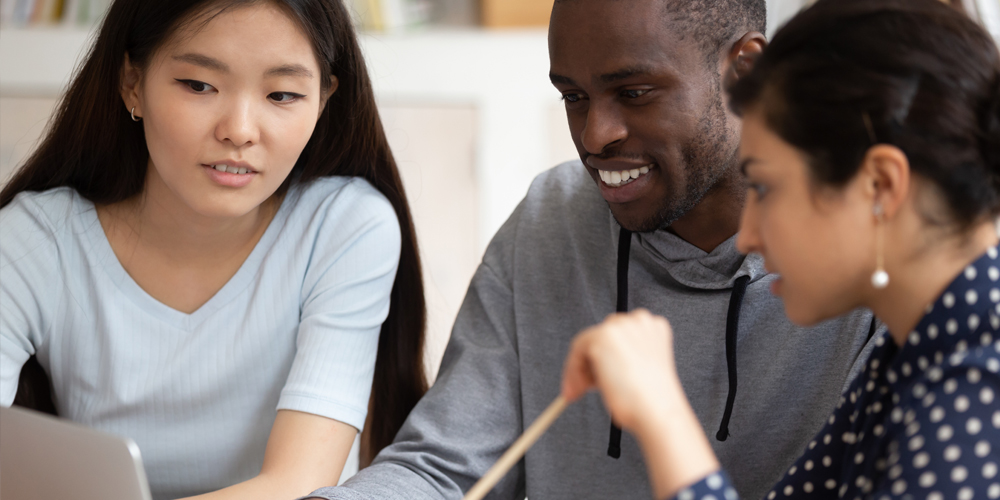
(886,172)
(334,84)
(130,89)
(742,56)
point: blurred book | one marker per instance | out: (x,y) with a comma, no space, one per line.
(516,13)
(388,15)
(81,13)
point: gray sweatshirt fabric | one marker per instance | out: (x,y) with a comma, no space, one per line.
(549,273)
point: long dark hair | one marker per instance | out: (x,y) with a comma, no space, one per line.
(93,146)
(924,76)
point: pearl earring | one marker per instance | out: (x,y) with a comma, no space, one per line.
(880,278)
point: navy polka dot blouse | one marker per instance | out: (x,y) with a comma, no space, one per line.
(922,421)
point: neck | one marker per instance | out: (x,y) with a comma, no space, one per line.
(919,279)
(716,218)
(159,220)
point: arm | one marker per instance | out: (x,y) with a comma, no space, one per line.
(304,452)
(630,359)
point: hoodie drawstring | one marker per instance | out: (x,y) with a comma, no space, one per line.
(624,245)
(732,328)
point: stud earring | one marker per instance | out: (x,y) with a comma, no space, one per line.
(132,113)
(880,278)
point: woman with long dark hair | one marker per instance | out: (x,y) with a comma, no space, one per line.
(211,250)
(871,147)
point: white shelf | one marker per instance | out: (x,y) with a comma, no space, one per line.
(502,74)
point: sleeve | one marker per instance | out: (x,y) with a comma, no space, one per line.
(947,443)
(716,486)
(471,415)
(29,280)
(345,300)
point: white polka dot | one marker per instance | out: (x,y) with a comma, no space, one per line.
(995,320)
(714,481)
(982,448)
(771,495)
(877,406)
(994,491)
(935,495)
(993,365)
(916,442)
(992,252)
(961,346)
(830,484)
(961,403)
(971,297)
(827,461)
(929,400)
(812,444)
(986,395)
(789,490)
(827,439)
(843,489)
(859,481)
(919,390)
(912,428)
(973,321)
(974,375)
(895,471)
(965,493)
(896,415)
(905,369)
(989,470)
(951,326)
(859,457)
(927,479)
(996,419)
(920,460)
(932,332)
(970,273)
(899,487)
(934,374)
(937,414)
(878,430)
(849,438)
(952,453)
(945,432)
(950,386)
(793,470)
(948,299)
(807,487)
(688,495)
(708,497)
(914,338)
(832,419)
(959,473)
(731,494)
(973,426)
(808,465)
(995,293)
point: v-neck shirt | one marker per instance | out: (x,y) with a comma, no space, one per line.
(295,328)
(922,421)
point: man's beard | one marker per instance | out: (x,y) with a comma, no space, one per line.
(706,159)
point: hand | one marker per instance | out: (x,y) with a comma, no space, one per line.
(630,359)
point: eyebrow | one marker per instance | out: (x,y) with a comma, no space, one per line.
(217,65)
(290,70)
(554,78)
(628,72)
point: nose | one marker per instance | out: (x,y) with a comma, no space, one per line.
(239,123)
(604,128)
(748,239)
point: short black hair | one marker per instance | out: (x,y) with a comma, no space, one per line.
(713,24)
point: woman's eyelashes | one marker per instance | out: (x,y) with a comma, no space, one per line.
(204,88)
(196,86)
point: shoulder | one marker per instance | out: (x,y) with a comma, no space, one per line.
(336,198)
(564,189)
(35,220)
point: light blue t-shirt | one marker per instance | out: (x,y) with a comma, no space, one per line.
(295,328)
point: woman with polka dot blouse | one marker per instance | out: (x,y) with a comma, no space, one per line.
(871,149)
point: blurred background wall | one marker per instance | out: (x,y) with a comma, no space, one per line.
(463,91)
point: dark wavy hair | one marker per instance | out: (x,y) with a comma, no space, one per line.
(93,146)
(924,75)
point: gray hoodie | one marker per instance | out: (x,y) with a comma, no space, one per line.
(550,272)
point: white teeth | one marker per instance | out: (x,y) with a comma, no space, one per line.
(616,178)
(232,170)
(220,168)
(242,171)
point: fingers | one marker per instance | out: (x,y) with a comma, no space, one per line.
(578,376)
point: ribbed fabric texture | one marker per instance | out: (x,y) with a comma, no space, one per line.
(295,328)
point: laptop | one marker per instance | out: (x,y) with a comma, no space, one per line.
(43,457)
